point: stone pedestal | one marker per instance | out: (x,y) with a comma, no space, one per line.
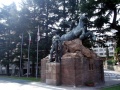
(77,71)
(72,69)
(78,66)
(43,69)
(53,73)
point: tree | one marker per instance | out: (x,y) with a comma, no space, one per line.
(7,32)
(105,14)
(45,13)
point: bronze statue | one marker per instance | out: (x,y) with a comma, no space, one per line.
(77,32)
(56,48)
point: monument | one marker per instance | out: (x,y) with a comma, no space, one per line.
(70,63)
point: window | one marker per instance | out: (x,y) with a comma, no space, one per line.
(100,49)
(95,50)
(111,44)
(101,53)
(111,53)
(110,48)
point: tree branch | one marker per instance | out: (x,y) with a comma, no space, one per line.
(115,16)
(117,27)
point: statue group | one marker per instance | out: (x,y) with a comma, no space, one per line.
(76,64)
(79,31)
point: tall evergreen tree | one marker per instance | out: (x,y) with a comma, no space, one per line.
(7,14)
(103,14)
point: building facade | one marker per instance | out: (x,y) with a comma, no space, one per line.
(101,51)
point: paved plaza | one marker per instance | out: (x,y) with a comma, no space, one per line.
(111,78)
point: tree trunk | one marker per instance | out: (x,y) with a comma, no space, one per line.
(33,69)
(8,73)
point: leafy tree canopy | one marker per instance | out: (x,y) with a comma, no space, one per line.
(103,11)
(103,15)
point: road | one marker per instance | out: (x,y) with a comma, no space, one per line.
(111,78)
(17,84)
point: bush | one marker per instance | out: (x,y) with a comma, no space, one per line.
(111,62)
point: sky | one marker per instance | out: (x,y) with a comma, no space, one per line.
(8,2)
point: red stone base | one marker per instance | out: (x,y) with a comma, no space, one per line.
(79,65)
(43,69)
(74,71)
(53,73)
(71,69)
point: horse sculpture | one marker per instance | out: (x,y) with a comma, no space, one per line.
(78,32)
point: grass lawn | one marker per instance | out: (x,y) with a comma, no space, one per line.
(116,87)
(23,78)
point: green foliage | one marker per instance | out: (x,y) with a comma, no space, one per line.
(23,78)
(99,8)
(45,13)
(102,15)
(117,50)
(87,43)
(115,87)
(111,62)
(99,22)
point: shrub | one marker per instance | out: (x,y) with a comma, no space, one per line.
(111,62)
